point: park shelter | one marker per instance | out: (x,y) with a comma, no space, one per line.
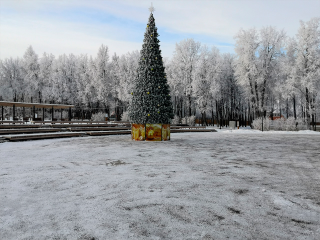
(34,106)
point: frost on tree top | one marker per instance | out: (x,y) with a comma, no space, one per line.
(151,100)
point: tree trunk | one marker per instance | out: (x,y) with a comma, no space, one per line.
(302,111)
(245,117)
(308,109)
(313,111)
(212,117)
(257,101)
(287,108)
(294,107)
(189,105)
(181,107)
(313,122)
(203,118)
(217,113)
(176,105)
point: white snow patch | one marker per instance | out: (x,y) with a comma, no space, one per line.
(197,186)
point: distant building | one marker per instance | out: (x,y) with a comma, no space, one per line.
(276,115)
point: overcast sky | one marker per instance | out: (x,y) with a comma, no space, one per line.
(80,27)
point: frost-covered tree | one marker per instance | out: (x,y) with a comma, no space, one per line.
(31,73)
(115,75)
(201,83)
(307,65)
(83,79)
(63,79)
(128,72)
(269,55)
(246,70)
(151,100)
(12,81)
(206,79)
(3,81)
(45,76)
(216,75)
(284,87)
(124,71)
(90,94)
(176,87)
(184,61)
(258,56)
(230,90)
(101,73)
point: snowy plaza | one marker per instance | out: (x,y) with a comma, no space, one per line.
(195,121)
(240,184)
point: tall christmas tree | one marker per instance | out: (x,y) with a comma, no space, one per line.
(151,101)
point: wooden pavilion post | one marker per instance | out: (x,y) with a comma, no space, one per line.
(51,113)
(13,112)
(23,113)
(61,114)
(70,114)
(2,113)
(34,112)
(43,114)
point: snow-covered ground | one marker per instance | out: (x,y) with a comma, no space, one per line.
(217,185)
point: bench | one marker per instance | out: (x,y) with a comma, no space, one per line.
(192,130)
(70,122)
(28,130)
(70,125)
(123,122)
(98,128)
(41,136)
(19,126)
(11,122)
(100,133)
(187,127)
(27,119)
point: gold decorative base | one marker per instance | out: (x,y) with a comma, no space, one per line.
(150,132)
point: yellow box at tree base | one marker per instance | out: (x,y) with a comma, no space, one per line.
(138,132)
(150,132)
(153,132)
(165,132)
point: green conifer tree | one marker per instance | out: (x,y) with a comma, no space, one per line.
(151,100)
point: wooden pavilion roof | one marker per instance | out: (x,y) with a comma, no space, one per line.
(36,105)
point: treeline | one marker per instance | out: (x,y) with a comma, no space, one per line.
(269,72)
(97,84)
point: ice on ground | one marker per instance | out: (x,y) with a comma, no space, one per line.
(214,185)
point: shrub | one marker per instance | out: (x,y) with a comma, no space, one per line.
(189,120)
(192,120)
(257,124)
(290,124)
(302,125)
(125,116)
(98,116)
(279,124)
(175,120)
